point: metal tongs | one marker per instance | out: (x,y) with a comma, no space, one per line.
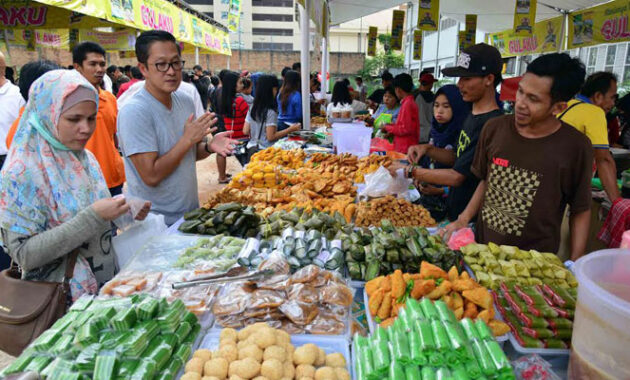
(233,275)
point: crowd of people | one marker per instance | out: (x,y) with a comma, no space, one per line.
(71,139)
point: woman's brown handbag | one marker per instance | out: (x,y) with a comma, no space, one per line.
(28,308)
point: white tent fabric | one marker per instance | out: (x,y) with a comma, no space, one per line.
(493,15)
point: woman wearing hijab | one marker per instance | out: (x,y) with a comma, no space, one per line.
(449,112)
(53,197)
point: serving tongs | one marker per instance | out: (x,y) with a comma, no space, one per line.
(233,275)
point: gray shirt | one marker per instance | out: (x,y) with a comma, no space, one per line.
(146,125)
(258,132)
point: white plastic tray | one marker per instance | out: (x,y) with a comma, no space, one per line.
(329,344)
(540,351)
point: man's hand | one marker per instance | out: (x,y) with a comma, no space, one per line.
(144,211)
(416,152)
(195,131)
(447,231)
(427,189)
(223,144)
(394,167)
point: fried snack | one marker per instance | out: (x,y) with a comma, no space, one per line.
(442,289)
(453,274)
(385,309)
(399,211)
(373,284)
(464,284)
(398,284)
(375,300)
(428,270)
(480,296)
(421,288)
(498,328)
(470,310)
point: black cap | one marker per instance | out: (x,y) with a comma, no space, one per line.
(476,61)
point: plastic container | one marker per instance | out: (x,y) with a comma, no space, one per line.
(352,138)
(600,331)
(329,344)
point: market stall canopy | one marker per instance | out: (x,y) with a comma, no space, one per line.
(493,15)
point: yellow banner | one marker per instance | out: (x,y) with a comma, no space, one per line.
(94,8)
(465,39)
(524,17)
(52,38)
(23,14)
(417,45)
(234,15)
(123,40)
(471,28)
(603,24)
(546,38)
(429,14)
(398,20)
(372,36)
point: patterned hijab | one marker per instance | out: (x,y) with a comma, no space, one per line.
(43,183)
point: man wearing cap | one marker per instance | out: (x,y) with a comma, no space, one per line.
(479,71)
(424,100)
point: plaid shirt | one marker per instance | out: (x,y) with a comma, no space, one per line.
(617,222)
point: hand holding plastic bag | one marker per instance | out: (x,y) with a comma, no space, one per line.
(380,183)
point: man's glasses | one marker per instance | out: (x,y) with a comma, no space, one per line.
(164,67)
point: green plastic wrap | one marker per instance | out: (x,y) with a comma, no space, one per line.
(428,309)
(473,370)
(38,364)
(104,367)
(86,335)
(380,355)
(414,309)
(126,368)
(80,319)
(380,334)
(428,373)
(427,343)
(20,363)
(165,376)
(396,370)
(145,370)
(400,347)
(359,342)
(159,351)
(173,366)
(444,312)
(470,329)
(415,349)
(484,331)
(442,342)
(124,319)
(182,331)
(64,323)
(87,358)
(483,358)
(459,373)
(412,372)
(45,341)
(442,373)
(500,360)
(148,309)
(63,346)
(57,365)
(406,321)
(457,341)
(67,375)
(192,336)
(191,318)
(183,352)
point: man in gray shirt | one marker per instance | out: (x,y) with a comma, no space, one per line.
(159,139)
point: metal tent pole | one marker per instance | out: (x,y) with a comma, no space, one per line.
(306,64)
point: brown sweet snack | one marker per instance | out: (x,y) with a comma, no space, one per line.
(298,312)
(336,294)
(266,299)
(307,274)
(303,293)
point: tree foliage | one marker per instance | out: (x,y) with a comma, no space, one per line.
(385,59)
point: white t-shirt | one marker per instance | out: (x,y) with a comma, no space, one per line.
(107,81)
(356,107)
(10,103)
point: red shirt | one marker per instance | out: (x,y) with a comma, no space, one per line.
(125,86)
(235,124)
(406,130)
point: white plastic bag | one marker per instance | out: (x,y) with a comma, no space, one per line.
(381,183)
(128,219)
(133,238)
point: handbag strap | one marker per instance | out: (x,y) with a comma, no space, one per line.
(70,263)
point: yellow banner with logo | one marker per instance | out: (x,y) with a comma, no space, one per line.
(398,21)
(471,29)
(371,43)
(22,14)
(123,40)
(545,38)
(603,24)
(428,14)
(524,17)
(234,15)
(465,40)
(31,38)
(417,45)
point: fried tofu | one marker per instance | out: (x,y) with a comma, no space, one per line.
(398,284)
(421,288)
(480,296)
(428,271)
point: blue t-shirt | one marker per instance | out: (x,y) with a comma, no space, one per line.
(146,125)
(293,113)
(382,109)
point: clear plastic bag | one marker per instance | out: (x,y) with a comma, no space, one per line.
(381,183)
(128,219)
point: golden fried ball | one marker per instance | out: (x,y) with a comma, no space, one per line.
(275,352)
(304,370)
(247,368)
(191,376)
(228,352)
(321,357)
(195,365)
(336,360)
(203,353)
(251,351)
(228,333)
(289,370)
(325,373)
(216,367)
(263,338)
(342,374)
(210,378)
(272,369)
(307,354)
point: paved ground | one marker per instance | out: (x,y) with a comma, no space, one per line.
(207,179)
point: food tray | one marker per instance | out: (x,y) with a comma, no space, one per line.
(160,253)
(329,344)
(540,351)
(372,323)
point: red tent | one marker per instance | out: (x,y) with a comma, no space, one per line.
(508,89)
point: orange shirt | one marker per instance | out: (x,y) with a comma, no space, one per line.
(13,128)
(102,144)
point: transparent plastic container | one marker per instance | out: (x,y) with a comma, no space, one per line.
(600,332)
(352,138)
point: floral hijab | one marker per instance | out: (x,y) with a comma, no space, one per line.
(43,183)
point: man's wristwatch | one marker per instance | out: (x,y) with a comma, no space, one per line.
(409,171)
